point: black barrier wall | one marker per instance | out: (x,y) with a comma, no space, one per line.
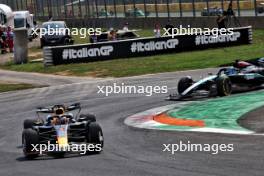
(143,47)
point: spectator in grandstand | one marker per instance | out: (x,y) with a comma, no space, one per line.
(1,33)
(10,39)
(111,12)
(125,28)
(3,39)
(112,35)
(70,14)
(50,17)
(157,30)
(93,38)
(230,11)
(221,21)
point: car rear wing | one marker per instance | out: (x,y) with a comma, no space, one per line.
(50,110)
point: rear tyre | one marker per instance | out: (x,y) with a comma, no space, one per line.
(87,117)
(30,137)
(29,123)
(95,136)
(184,84)
(224,85)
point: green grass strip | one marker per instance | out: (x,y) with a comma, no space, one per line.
(153,64)
(12,87)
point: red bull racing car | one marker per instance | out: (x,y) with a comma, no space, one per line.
(241,76)
(60,131)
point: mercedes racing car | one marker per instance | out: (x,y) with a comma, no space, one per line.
(62,129)
(241,76)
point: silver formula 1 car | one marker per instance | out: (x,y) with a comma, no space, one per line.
(241,76)
(61,129)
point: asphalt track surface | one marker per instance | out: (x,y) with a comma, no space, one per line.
(253,120)
(127,151)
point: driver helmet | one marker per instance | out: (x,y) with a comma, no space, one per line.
(230,71)
(241,64)
(48,116)
(261,62)
(59,110)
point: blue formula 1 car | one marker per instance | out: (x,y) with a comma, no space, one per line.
(61,129)
(240,77)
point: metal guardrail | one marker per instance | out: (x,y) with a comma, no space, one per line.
(250,35)
(47,54)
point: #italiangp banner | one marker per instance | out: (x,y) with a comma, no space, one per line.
(143,47)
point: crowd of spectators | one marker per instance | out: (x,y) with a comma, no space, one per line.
(6,39)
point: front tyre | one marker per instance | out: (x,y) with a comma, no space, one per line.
(184,84)
(29,123)
(224,86)
(95,136)
(87,117)
(30,137)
